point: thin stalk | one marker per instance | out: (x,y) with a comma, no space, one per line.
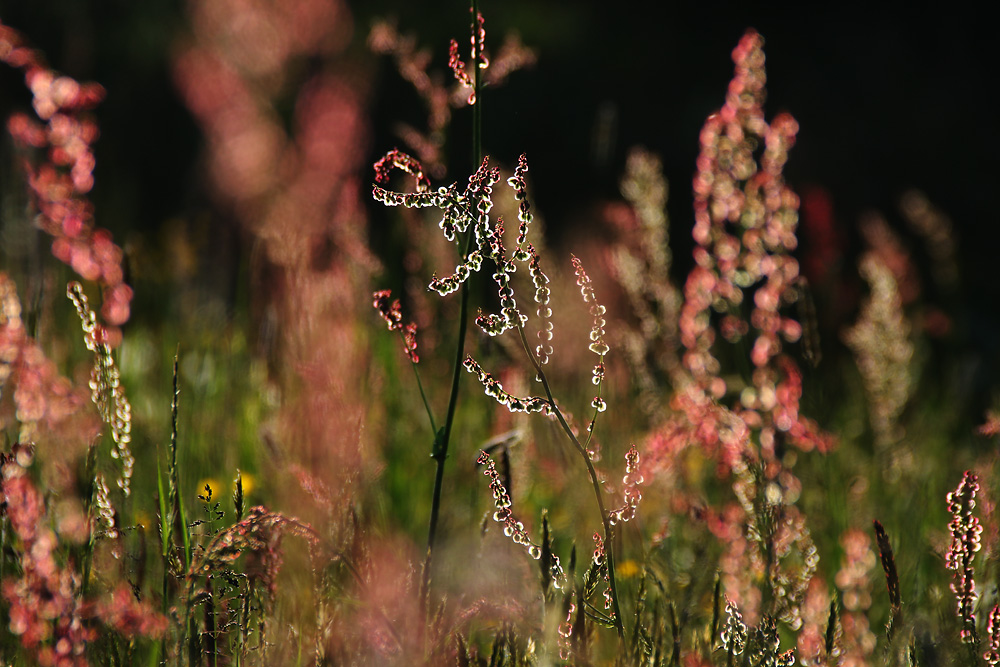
(441,442)
(477,108)
(605,518)
(423,394)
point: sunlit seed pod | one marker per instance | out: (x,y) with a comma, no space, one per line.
(599,347)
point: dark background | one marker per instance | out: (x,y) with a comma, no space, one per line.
(886,101)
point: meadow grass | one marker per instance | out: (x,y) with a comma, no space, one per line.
(545,460)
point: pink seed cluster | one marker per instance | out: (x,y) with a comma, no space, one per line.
(600,559)
(59,184)
(457,65)
(392,313)
(734,633)
(992,655)
(965,542)
(597,344)
(40,393)
(745,223)
(513,528)
(106,390)
(396,159)
(631,482)
(496,391)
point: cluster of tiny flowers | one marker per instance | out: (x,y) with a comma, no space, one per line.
(259,535)
(392,313)
(791,581)
(766,646)
(643,272)
(965,542)
(60,184)
(396,159)
(880,341)
(524,216)
(542,294)
(105,524)
(105,386)
(734,632)
(460,210)
(509,316)
(525,252)
(45,610)
(457,65)
(412,65)
(503,515)
(632,480)
(495,390)
(854,581)
(126,615)
(600,560)
(472,207)
(992,656)
(815,609)
(745,223)
(597,344)
(39,391)
(566,631)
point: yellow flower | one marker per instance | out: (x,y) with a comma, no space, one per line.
(628,568)
(249,483)
(213,484)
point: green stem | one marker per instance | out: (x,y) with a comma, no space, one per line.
(605,517)
(441,441)
(440,453)
(477,108)
(420,386)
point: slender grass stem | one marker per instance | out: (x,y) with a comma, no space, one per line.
(423,394)
(605,517)
(442,440)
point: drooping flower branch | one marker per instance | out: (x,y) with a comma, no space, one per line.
(392,313)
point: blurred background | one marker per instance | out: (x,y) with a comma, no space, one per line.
(886,101)
(228,133)
(234,167)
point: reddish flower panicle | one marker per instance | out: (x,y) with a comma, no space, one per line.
(992,656)
(396,159)
(60,182)
(965,542)
(392,313)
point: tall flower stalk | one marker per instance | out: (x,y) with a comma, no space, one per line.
(473,204)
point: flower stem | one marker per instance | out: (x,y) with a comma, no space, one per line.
(423,394)
(443,438)
(605,517)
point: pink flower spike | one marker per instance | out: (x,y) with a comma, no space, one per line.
(965,542)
